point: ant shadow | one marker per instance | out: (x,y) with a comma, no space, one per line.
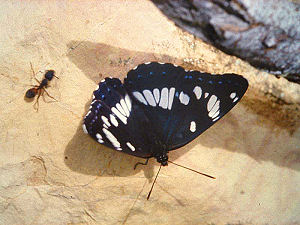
(84,155)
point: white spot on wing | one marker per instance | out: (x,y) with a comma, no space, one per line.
(134,68)
(84,129)
(113,120)
(139,97)
(232,95)
(171,97)
(88,114)
(161,63)
(119,115)
(105,120)
(99,138)
(124,106)
(184,98)
(211,102)
(216,114)
(214,109)
(164,98)
(119,107)
(236,98)
(147,63)
(216,118)
(198,92)
(130,146)
(156,94)
(149,97)
(112,139)
(206,95)
(128,102)
(193,126)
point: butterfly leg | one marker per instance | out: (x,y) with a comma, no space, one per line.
(139,163)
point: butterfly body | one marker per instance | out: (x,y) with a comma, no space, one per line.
(159,108)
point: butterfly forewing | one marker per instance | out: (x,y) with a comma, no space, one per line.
(182,104)
(207,98)
(153,86)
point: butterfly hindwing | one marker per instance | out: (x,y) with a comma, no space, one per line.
(113,119)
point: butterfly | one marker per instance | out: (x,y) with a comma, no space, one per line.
(160,107)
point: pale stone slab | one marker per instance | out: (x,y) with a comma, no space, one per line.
(52,173)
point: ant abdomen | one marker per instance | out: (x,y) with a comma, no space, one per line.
(31,93)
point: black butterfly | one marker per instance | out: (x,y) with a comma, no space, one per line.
(159,108)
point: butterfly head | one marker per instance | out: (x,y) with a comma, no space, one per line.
(162,158)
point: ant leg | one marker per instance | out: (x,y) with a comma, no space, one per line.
(36,104)
(139,163)
(49,95)
(34,74)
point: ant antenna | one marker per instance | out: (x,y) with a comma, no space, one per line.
(192,170)
(153,184)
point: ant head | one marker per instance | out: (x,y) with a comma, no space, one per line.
(49,74)
(30,93)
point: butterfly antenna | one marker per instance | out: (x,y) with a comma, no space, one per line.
(153,183)
(192,170)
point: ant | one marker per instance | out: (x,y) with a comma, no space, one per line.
(41,88)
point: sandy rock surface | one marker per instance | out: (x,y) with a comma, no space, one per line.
(52,173)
